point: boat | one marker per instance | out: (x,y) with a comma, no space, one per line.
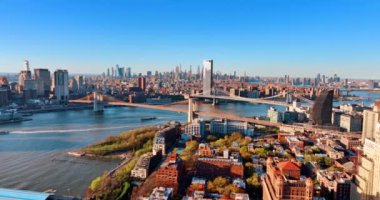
(4,132)
(148,118)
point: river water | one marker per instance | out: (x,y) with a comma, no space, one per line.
(34,155)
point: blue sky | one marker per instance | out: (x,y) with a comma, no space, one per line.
(259,37)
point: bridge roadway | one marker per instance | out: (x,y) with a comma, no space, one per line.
(225,115)
(242,99)
(360,90)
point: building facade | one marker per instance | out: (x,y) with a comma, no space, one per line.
(322,109)
(197,128)
(214,167)
(226,127)
(284,181)
(44,76)
(61,85)
(207,76)
(170,172)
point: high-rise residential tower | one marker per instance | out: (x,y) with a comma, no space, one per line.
(367,180)
(207,76)
(128,72)
(61,85)
(43,75)
(322,109)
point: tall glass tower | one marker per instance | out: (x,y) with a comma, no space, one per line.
(207,76)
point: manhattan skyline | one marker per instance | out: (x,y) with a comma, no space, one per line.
(265,38)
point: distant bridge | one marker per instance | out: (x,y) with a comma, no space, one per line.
(265,100)
(241,99)
(360,90)
(214,113)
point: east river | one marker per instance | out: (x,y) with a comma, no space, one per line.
(34,155)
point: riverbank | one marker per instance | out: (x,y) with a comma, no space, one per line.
(131,144)
(41,147)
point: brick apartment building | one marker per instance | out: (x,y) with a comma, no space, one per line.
(170,172)
(284,181)
(214,167)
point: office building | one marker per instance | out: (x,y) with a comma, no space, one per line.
(61,85)
(207,76)
(24,74)
(44,76)
(197,128)
(224,127)
(142,83)
(128,72)
(4,96)
(77,84)
(322,109)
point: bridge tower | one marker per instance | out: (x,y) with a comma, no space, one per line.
(98,102)
(193,107)
(289,98)
(214,101)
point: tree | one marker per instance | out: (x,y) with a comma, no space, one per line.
(245,154)
(253,181)
(222,185)
(211,138)
(261,152)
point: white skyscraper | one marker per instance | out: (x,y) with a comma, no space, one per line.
(207,76)
(61,85)
(25,74)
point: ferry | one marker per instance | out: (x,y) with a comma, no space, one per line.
(9,116)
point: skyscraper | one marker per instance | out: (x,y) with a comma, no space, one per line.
(207,76)
(77,84)
(322,109)
(61,85)
(142,83)
(371,118)
(25,74)
(367,180)
(120,71)
(128,72)
(44,76)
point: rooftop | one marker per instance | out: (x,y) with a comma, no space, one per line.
(288,165)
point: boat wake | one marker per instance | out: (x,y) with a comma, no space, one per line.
(68,130)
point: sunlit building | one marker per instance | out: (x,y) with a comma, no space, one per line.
(207,76)
(61,85)
(284,181)
(367,180)
(322,109)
